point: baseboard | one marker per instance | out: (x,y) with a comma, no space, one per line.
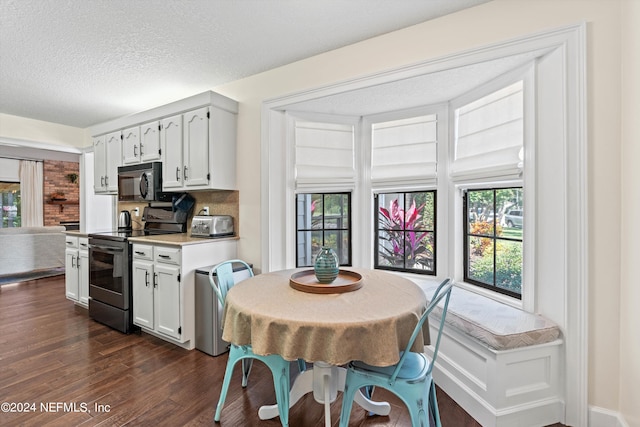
(601,417)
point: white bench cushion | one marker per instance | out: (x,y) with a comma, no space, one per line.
(497,325)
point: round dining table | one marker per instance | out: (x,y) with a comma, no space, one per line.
(371,324)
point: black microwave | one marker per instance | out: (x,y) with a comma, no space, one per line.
(140,183)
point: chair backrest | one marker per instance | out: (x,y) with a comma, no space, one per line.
(442,292)
(224,274)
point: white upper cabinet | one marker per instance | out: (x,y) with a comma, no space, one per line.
(100,166)
(131,145)
(185,142)
(114,159)
(194,138)
(196,148)
(107,157)
(150,142)
(141,143)
(171,140)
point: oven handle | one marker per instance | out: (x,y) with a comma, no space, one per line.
(110,249)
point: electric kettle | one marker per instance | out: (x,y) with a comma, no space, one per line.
(124,220)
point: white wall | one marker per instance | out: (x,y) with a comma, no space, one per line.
(630,252)
(96,211)
(489,23)
(22,128)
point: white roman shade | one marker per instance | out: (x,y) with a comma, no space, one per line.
(404,152)
(324,156)
(489,135)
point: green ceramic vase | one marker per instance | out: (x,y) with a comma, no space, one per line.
(326,265)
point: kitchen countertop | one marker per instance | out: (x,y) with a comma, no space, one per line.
(76,233)
(182,239)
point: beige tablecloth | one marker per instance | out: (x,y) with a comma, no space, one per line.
(370,324)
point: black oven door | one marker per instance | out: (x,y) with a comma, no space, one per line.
(109,276)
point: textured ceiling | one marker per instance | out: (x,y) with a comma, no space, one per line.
(83,62)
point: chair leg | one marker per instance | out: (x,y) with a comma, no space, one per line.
(347,403)
(281,385)
(433,404)
(225,384)
(302,366)
(246,370)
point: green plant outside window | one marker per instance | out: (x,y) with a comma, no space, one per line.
(493,239)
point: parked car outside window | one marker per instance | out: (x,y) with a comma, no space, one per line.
(513,218)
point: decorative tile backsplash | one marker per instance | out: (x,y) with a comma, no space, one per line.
(219,202)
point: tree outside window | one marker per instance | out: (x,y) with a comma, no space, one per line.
(405,232)
(323,219)
(493,239)
(10,204)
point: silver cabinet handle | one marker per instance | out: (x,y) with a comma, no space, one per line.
(185,173)
(177,174)
(135,150)
(146,278)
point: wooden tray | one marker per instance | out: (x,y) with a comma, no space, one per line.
(306,281)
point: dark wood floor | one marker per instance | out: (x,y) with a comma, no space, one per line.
(52,354)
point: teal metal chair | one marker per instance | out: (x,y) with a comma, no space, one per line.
(279,367)
(410,379)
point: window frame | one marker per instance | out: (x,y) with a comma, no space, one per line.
(376,234)
(495,238)
(323,229)
(18,205)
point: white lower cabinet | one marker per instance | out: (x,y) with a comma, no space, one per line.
(163,286)
(77,269)
(157,289)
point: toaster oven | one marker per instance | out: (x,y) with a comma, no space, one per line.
(212,226)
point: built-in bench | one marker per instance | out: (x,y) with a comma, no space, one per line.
(500,363)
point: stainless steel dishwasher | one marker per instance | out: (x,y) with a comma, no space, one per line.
(209,311)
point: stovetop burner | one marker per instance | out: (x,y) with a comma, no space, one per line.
(158,221)
(123,235)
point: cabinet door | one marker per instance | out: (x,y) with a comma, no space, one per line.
(143,284)
(114,159)
(100,164)
(83,276)
(131,146)
(196,147)
(71,274)
(171,139)
(150,141)
(167,302)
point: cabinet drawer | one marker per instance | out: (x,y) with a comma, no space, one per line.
(143,252)
(83,243)
(71,241)
(167,255)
